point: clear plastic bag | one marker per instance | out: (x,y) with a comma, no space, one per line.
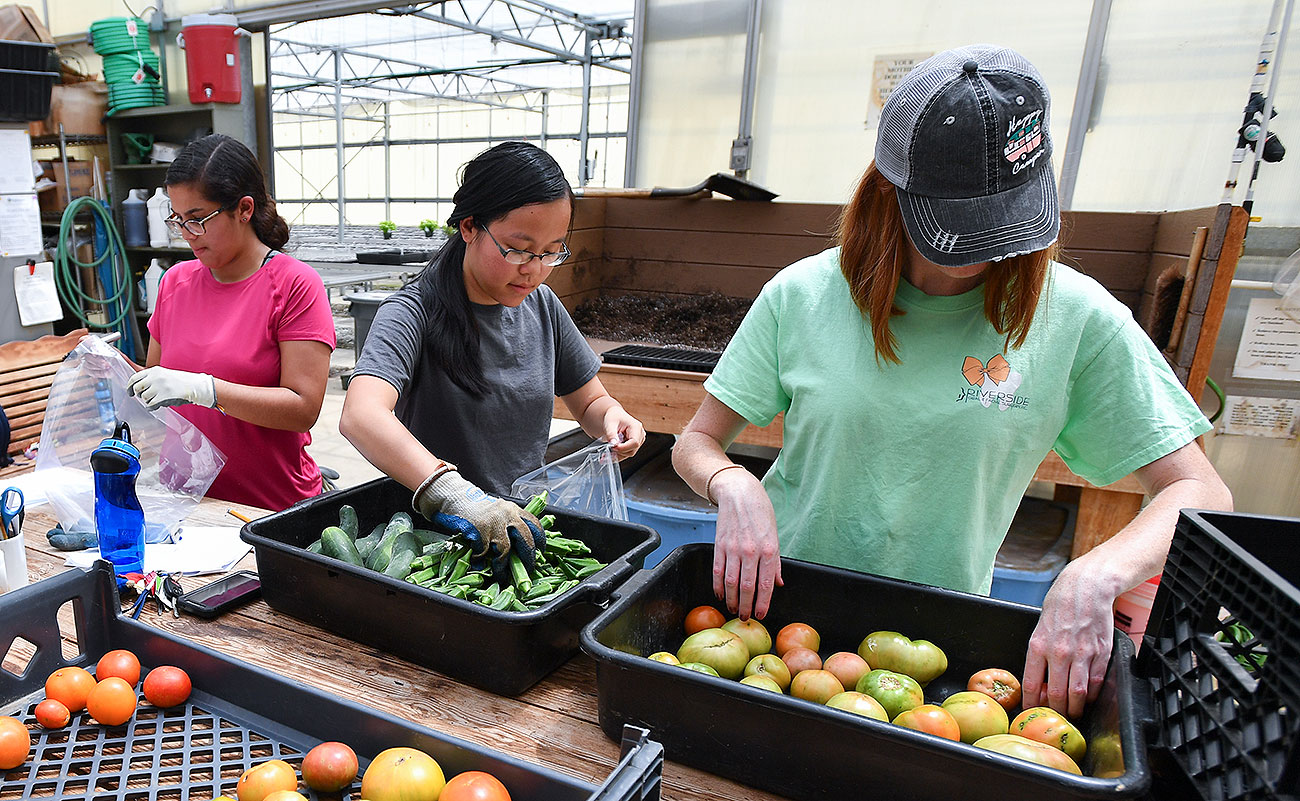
(88,396)
(587,481)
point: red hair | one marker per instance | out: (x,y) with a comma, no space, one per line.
(874,249)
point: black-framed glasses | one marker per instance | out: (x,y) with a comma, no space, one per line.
(522,257)
(195,227)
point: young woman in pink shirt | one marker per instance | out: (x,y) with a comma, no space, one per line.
(241,337)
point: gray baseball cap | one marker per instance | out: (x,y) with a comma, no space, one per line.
(965,139)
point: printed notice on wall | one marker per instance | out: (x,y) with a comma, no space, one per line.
(1270,343)
(885,75)
(1261,417)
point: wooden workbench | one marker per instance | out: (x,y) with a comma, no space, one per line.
(553,724)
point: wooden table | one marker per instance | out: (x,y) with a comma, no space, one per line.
(553,724)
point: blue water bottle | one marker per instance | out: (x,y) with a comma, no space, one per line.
(104,402)
(119,519)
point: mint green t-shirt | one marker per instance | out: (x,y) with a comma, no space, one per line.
(915,470)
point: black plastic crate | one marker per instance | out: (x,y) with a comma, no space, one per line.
(503,652)
(27,56)
(25,95)
(237,716)
(696,361)
(1228,707)
(803,750)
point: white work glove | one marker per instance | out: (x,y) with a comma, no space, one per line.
(159,386)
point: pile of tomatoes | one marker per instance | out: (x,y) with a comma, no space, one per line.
(396,774)
(108,696)
(884,680)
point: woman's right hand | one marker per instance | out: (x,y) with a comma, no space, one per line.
(746,551)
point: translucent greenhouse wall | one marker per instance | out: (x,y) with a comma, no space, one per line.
(1175,76)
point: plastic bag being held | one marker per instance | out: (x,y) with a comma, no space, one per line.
(88,396)
(587,481)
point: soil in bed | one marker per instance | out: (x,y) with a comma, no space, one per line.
(706,322)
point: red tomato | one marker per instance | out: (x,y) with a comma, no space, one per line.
(15,742)
(120,663)
(329,767)
(112,701)
(474,785)
(52,714)
(167,686)
(703,617)
(1000,685)
(930,719)
(797,635)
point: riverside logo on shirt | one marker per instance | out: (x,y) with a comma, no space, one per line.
(991,383)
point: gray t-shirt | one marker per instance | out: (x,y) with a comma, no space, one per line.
(530,354)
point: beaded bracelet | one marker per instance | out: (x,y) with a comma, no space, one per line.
(443,468)
(708,485)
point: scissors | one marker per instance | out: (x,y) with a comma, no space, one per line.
(11,512)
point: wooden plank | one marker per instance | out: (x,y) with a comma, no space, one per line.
(1116,270)
(587,244)
(581,276)
(645,275)
(1176,229)
(718,215)
(1102,513)
(38,389)
(741,249)
(1053,469)
(32,372)
(48,349)
(1108,230)
(588,212)
(1234,221)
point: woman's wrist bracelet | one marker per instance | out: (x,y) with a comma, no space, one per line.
(708,485)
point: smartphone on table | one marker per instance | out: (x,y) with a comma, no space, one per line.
(222,595)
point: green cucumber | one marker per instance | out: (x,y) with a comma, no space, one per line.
(335,542)
(348,521)
(400,566)
(314,547)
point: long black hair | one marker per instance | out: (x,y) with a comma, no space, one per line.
(224,170)
(495,183)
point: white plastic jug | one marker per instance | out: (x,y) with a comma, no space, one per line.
(152,278)
(13,563)
(158,209)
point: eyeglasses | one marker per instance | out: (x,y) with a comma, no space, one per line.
(521,257)
(196,227)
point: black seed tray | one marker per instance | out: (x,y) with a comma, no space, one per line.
(502,652)
(803,750)
(1229,707)
(697,361)
(237,716)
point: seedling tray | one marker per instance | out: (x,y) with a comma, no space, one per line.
(238,716)
(1227,704)
(502,652)
(803,750)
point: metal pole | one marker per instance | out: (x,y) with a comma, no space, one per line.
(546,110)
(586,109)
(1262,139)
(744,141)
(1262,66)
(338,130)
(388,167)
(1083,99)
(634,94)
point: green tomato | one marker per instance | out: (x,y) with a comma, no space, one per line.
(896,692)
(889,650)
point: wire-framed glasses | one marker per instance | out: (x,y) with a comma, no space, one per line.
(521,257)
(195,227)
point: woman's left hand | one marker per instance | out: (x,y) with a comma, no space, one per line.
(623,432)
(1070,647)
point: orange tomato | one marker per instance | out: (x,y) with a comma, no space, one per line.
(1050,727)
(797,635)
(167,686)
(263,779)
(474,785)
(703,617)
(52,714)
(120,663)
(402,774)
(112,701)
(15,743)
(70,686)
(1000,685)
(930,719)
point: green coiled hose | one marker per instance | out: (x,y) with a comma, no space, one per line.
(66,264)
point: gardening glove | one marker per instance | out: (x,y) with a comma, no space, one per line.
(77,539)
(160,386)
(491,525)
(525,548)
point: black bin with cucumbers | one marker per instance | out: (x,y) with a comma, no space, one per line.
(430,614)
(255,715)
(804,750)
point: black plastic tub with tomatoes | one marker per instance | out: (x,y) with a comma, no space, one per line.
(236,717)
(802,750)
(502,652)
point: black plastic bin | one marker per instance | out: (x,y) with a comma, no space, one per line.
(503,652)
(1228,706)
(804,750)
(26,80)
(237,716)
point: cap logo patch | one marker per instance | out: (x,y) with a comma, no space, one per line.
(1024,136)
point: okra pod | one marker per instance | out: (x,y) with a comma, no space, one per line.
(547,521)
(503,599)
(422,576)
(461,568)
(519,574)
(536,503)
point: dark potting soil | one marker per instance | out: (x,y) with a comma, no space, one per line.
(706,322)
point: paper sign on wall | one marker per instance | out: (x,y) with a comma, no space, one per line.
(1261,417)
(38,298)
(885,75)
(20,225)
(1270,343)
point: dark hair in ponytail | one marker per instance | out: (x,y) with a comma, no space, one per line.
(224,170)
(495,183)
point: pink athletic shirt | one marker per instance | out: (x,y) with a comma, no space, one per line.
(234,331)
